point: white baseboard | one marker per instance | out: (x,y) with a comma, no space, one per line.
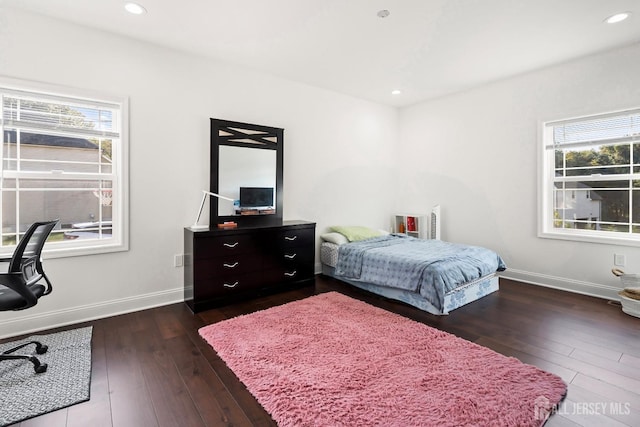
(563,284)
(53,319)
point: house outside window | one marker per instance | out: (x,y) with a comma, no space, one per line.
(64,156)
(590,178)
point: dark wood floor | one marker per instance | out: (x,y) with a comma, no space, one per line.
(151,368)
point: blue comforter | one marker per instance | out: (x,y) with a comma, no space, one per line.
(428,267)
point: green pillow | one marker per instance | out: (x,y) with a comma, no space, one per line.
(356,232)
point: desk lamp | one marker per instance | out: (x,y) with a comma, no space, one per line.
(206,193)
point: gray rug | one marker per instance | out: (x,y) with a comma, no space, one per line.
(25,394)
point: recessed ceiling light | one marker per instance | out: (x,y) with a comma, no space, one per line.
(383,13)
(135,8)
(618,17)
(396,92)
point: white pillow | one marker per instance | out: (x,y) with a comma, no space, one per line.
(337,238)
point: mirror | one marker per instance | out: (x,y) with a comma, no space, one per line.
(246,166)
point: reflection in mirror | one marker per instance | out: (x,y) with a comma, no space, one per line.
(244,167)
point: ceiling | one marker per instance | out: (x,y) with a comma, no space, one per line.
(425,48)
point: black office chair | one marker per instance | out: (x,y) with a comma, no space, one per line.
(19,287)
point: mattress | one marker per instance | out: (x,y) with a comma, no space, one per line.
(329,254)
(461,295)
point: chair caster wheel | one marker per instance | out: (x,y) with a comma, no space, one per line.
(40,369)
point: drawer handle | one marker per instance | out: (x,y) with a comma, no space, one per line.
(291,239)
(231,245)
(290,274)
(290,256)
(234,265)
(226,285)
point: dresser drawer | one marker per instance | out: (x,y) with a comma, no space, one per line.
(295,237)
(229,265)
(295,256)
(286,257)
(216,287)
(291,273)
(218,246)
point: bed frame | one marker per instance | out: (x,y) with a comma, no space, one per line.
(458,297)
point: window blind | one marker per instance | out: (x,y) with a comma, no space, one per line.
(614,128)
(58,115)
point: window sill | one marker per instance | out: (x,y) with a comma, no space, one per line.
(592,237)
(50,250)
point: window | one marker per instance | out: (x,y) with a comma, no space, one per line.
(64,156)
(590,180)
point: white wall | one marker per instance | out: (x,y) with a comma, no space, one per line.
(346,160)
(476,154)
(338,155)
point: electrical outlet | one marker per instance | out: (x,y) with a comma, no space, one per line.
(178,260)
(619,260)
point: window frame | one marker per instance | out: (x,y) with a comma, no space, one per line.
(547,180)
(119,173)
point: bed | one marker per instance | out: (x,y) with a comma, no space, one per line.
(430,274)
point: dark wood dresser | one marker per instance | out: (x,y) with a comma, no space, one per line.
(221,265)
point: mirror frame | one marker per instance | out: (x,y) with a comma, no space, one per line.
(258,137)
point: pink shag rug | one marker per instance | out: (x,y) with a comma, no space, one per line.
(330,360)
